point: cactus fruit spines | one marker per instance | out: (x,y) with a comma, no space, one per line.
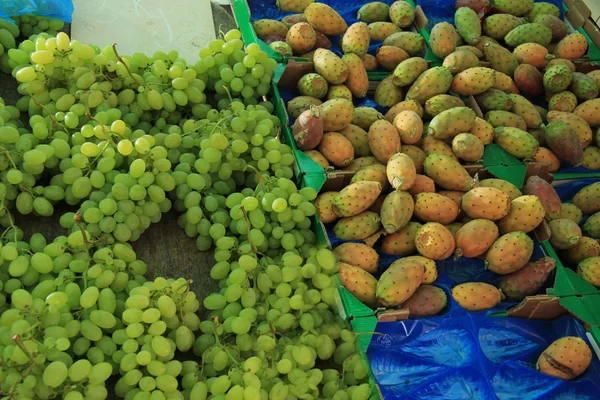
(509,253)
(566,358)
(528,280)
(330,66)
(409,70)
(588,199)
(468,147)
(359,282)
(500,59)
(448,173)
(494,99)
(374,12)
(467,24)
(434,81)
(356,39)
(586,247)
(357,227)
(401,171)
(359,255)
(486,202)
(473,81)
(565,234)
(356,198)
(529,80)
(396,211)
(443,39)
(564,142)
(313,85)
(591,227)
(411,42)
(557,78)
(427,300)
(460,60)
(511,190)
(337,149)
(526,213)
(498,25)
(571,47)
(529,33)
(451,122)
(476,296)
(433,207)
(577,124)
(401,243)
(399,282)
(409,126)
(547,195)
(588,110)
(591,157)
(475,238)
(435,241)
(325,19)
(357,81)
(324,206)
(517,142)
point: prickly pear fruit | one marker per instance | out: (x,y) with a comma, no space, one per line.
(528,280)
(359,282)
(356,39)
(483,130)
(562,101)
(443,39)
(268,27)
(566,358)
(467,24)
(373,12)
(337,149)
(591,227)
(500,59)
(431,145)
(389,57)
(560,61)
(509,253)
(476,296)
(299,104)
(499,118)
(529,33)
(565,233)
(357,81)
(313,85)
(529,80)
(365,117)
(402,14)
(586,247)
(370,62)
(322,41)
(460,60)
(547,195)
(359,255)
(324,206)
(447,173)
(357,227)
(486,202)
(373,173)
(411,42)
(533,54)
(588,110)
(595,75)
(409,126)
(450,123)
(301,37)
(387,94)
(591,157)
(293,19)
(546,156)
(427,300)
(473,81)
(396,211)
(434,81)
(505,83)
(475,238)
(526,110)
(431,273)
(442,102)
(417,155)
(557,78)
(384,141)
(526,213)
(494,99)
(337,114)
(401,171)
(498,25)
(518,143)
(318,158)
(583,86)
(360,163)
(399,282)
(338,92)
(511,190)
(325,19)
(423,184)
(542,8)
(409,70)
(571,211)
(401,243)
(356,198)
(296,6)
(330,66)
(308,129)
(589,270)
(571,47)
(514,7)
(558,28)
(468,147)
(433,207)
(577,124)
(382,30)
(478,53)
(435,241)
(588,199)
(564,142)
(359,139)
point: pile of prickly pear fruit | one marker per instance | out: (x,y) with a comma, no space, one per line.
(443,215)
(576,233)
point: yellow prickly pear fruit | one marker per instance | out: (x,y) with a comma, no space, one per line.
(359,255)
(566,358)
(475,238)
(356,198)
(526,213)
(401,171)
(359,282)
(435,241)
(399,282)
(476,296)
(396,211)
(509,253)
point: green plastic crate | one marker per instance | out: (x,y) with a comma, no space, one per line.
(364,326)
(241,13)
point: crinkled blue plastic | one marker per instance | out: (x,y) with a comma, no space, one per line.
(261,9)
(474,357)
(443,10)
(57,9)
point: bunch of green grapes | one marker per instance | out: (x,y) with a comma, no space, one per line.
(8,42)
(33,24)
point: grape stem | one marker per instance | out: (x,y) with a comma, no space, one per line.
(114,47)
(52,120)
(252,245)
(224,348)
(77,218)
(7,152)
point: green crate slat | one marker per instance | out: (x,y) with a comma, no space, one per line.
(362,325)
(349,306)
(241,13)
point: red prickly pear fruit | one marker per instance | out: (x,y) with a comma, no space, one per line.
(476,296)
(399,282)
(578,124)
(479,6)
(359,282)
(564,142)
(566,358)
(547,195)
(528,280)
(427,300)
(358,254)
(308,129)
(529,80)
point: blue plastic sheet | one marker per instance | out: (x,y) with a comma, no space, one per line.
(57,9)
(474,357)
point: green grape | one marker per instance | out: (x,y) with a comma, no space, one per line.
(55,374)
